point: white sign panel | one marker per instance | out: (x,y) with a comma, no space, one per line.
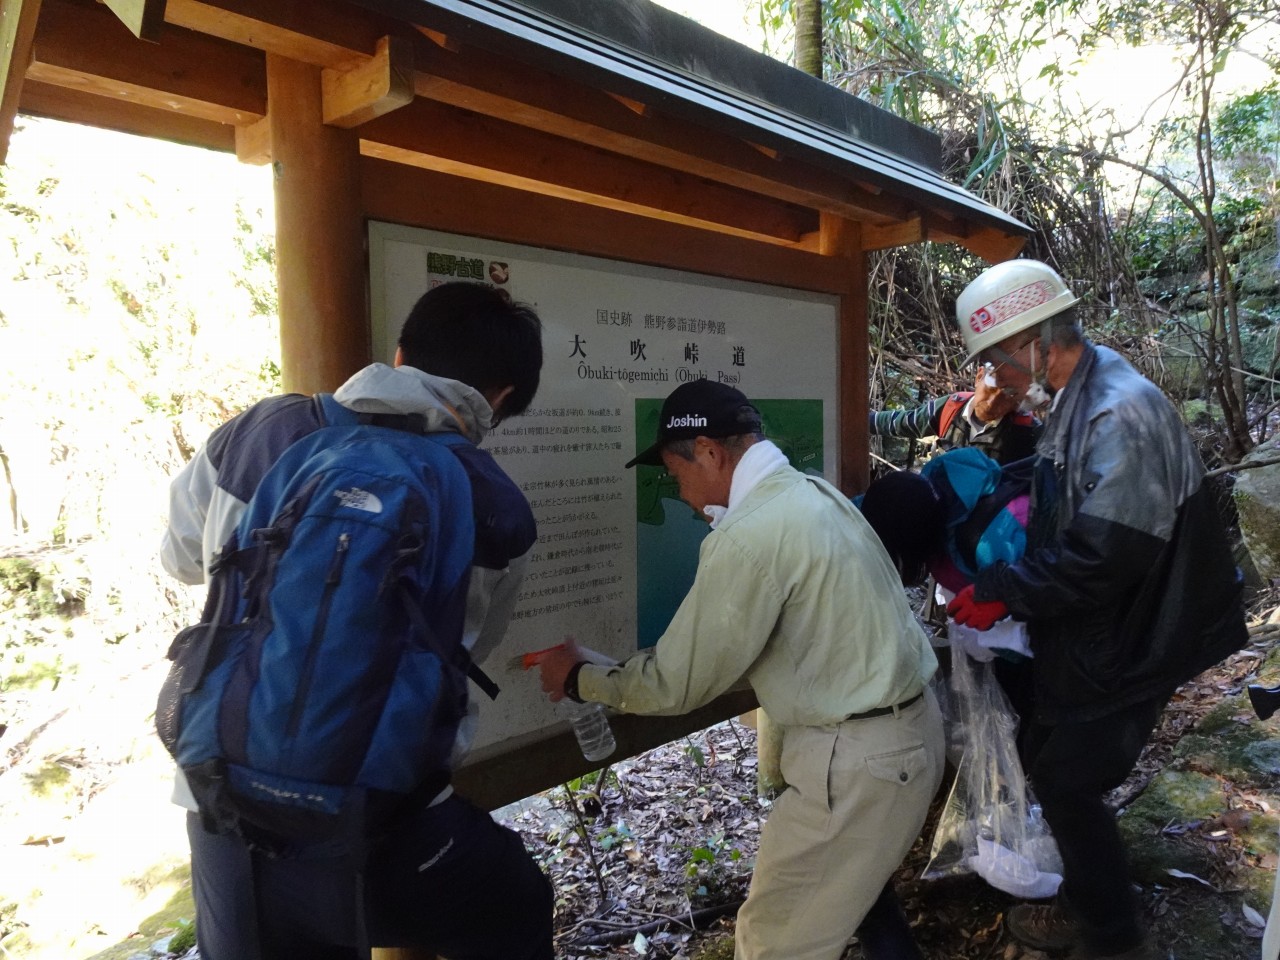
(616,548)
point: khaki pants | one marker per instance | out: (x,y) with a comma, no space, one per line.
(856,799)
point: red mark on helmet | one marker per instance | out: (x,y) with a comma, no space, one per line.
(980,319)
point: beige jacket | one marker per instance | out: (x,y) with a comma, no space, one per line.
(795,595)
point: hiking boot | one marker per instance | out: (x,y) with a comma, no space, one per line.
(1042,926)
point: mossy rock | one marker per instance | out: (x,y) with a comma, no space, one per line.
(1231,742)
(1196,927)
(1260,280)
(52,781)
(1173,798)
(1258,346)
(177,918)
(1178,796)
(1256,495)
(1260,835)
(1257,886)
(719,949)
(1176,367)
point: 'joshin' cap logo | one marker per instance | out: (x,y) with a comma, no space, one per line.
(688,420)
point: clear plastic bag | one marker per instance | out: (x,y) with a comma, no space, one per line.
(991,825)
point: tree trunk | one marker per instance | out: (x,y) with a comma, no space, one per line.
(809,36)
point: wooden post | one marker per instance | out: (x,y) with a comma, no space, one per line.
(320,233)
(17,33)
(842,238)
(320,259)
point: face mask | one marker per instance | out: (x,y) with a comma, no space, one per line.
(1039,393)
(1036,396)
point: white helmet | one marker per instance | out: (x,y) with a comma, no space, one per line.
(1006,299)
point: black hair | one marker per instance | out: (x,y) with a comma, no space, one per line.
(907,515)
(1064,328)
(475,334)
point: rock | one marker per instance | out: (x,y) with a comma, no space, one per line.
(1257,499)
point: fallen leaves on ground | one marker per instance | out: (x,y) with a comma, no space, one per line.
(671,837)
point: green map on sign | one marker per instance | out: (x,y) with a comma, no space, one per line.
(668,533)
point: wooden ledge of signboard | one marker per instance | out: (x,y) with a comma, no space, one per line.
(544,764)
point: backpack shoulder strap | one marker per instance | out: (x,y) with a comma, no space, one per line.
(950,410)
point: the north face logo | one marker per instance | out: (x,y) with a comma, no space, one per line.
(688,420)
(358,499)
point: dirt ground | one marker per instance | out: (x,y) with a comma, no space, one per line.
(673,833)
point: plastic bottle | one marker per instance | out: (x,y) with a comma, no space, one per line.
(591,726)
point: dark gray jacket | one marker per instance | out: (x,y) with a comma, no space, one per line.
(1128,583)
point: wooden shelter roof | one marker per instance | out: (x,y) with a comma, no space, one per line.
(621,105)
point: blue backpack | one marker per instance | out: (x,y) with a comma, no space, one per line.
(322,691)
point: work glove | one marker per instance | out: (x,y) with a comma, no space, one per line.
(976,614)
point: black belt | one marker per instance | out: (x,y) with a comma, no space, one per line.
(885,711)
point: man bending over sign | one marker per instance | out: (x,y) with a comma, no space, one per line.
(795,595)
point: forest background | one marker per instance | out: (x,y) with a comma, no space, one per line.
(1141,141)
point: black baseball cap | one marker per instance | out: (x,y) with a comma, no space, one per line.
(702,408)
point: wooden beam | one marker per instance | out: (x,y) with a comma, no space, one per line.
(880,236)
(400,194)
(433,136)
(841,240)
(144,18)
(77,106)
(635,106)
(17,31)
(337,36)
(504,88)
(992,245)
(253,142)
(480,174)
(82,46)
(320,234)
(344,38)
(370,89)
(439,39)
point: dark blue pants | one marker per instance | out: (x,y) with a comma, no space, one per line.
(451,881)
(1071,766)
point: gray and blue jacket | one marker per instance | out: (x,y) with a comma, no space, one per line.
(1128,583)
(208,496)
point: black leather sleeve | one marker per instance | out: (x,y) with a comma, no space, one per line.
(1094,563)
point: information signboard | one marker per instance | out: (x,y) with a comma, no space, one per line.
(616,548)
